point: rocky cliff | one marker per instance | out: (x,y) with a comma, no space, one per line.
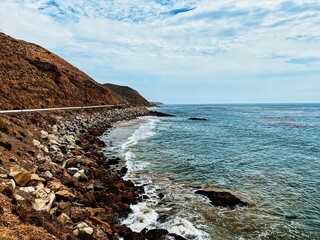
(128,94)
(33,77)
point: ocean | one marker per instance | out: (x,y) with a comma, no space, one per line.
(267,154)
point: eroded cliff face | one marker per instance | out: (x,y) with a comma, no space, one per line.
(33,77)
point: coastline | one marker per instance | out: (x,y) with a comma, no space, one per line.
(69,191)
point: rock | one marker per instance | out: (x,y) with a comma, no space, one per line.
(28,189)
(160,114)
(72,170)
(65,193)
(97,187)
(6,145)
(113,161)
(161,195)
(63,219)
(52,137)
(123,170)
(55,185)
(12,159)
(224,199)
(80,176)
(18,197)
(21,178)
(162,218)
(78,214)
(36,177)
(84,228)
(54,129)
(98,234)
(63,149)
(36,142)
(44,203)
(48,175)
(13,183)
(198,119)
(174,236)
(54,148)
(156,234)
(96,212)
(44,135)
(53,142)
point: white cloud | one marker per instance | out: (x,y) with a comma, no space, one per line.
(192,40)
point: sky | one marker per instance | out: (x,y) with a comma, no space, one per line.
(182,51)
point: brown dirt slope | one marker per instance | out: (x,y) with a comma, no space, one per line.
(129,94)
(33,77)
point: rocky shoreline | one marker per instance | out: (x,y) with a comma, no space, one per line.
(69,190)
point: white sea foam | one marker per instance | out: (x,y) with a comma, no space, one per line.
(146,130)
(144,214)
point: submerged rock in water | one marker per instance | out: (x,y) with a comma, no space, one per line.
(156,234)
(223,199)
(199,119)
(160,114)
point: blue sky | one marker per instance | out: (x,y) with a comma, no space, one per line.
(187,51)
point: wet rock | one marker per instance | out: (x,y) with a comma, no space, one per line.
(162,218)
(174,236)
(160,114)
(224,199)
(161,195)
(113,161)
(156,234)
(123,170)
(198,119)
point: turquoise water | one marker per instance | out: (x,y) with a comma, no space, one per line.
(266,154)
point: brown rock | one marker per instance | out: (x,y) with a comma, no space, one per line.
(63,219)
(78,214)
(22,178)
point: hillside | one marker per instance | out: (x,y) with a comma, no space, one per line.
(33,77)
(128,94)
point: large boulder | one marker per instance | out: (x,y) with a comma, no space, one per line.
(223,199)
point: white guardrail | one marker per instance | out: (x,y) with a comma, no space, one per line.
(40,110)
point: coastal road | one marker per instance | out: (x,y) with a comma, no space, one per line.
(40,110)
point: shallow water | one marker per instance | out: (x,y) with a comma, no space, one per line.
(267,154)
